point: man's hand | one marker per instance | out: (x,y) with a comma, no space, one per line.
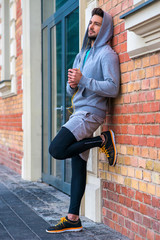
(74,76)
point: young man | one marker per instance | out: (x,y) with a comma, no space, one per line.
(92,80)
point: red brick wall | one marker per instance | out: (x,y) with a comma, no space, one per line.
(11,110)
(131,190)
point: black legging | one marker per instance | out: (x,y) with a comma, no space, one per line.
(65,145)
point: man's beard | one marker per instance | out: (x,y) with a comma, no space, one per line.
(92,38)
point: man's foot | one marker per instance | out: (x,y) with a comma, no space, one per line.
(109,147)
(65,225)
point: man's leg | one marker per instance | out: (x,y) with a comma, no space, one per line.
(65,145)
(78,184)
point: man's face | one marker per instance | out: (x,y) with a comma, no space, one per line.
(94,27)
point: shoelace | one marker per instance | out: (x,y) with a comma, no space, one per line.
(107,151)
(104,150)
(63,219)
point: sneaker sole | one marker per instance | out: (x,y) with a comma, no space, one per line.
(66,230)
(114,145)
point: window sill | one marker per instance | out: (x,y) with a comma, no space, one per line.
(143,29)
(6,89)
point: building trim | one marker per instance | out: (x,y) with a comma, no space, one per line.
(31,164)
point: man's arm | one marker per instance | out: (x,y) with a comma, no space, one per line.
(111,74)
(72,87)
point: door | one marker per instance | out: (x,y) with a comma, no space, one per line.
(60,44)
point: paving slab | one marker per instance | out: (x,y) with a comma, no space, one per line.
(28,208)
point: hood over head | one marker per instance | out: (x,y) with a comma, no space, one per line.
(105,33)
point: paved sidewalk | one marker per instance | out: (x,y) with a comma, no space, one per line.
(27,208)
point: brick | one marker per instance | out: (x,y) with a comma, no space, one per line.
(138,238)
(147,222)
(131,235)
(109,214)
(123,149)
(131,87)
(111,186)
(127,160)
(158,214)
(124,191)
(128,224)
(138,63)
(134,140)
(142,119)
(138,174)
(157,118)
(149,72)
(135,205)
(155,106)
(122,199)
(146,176)
(131,172)
(145,62)
(149,165)
(126,98)
(125,231)
(154,60)
(116,29)
(123,67)
(155,130)
(128,182)
(141,74)
(134,75)
(122,37)
(112,196)
(144,151)
(139,196)
(130,150)
(156,202)
(121,220)
(150,118)
(151,96)
(145,84)
(156,167)
(154,83)
(150,141)
(157,236)
(118,188)
(157,95)
(130,66)
(125,77)
(151,189)
(150,234)
(142,231)
(157,142)
(131,215)
(142,96)
(153,153)
(155,177)
(157,191)
(142,186)
(134,98)
(142,141)
(134,184)
(142,163)
(138,130)
(157,70)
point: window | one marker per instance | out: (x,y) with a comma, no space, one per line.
(143,28)
(8,48)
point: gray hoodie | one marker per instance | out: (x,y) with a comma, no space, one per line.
(100,73)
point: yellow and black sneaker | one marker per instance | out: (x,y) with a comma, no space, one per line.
(109,147)
(65,225)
